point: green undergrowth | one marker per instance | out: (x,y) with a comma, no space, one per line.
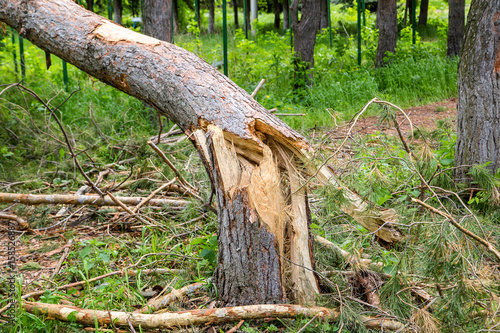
(106,127)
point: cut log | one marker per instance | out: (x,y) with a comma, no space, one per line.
(194,317)
(231,131)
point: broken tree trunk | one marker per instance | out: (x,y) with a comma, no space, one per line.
(238,140)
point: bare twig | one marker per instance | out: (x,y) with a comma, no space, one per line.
(22,223)
(61,260)
(256,90)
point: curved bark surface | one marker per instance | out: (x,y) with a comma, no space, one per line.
(478,123)
(240,143)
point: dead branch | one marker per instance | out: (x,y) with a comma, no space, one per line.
(256,90)
(195,317)
(56,199)
(61,260)
(22,223)
(162,302)
(155,192)
(457,225)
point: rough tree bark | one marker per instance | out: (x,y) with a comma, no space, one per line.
(117,11)
(424,11)
(156,19)
(175,12)
(387,19)
(254,160)
(304,32)
(478,123)
(456,23)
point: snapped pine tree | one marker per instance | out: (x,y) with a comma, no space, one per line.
(255,162)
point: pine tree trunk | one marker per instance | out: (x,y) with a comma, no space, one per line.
(286,15)
(456,22)
(478,123)
(254,160)
(211,16)
(175,12)
(304,32)
(117,11)
(424,11)
(156,19)
(276,7)
(90,5)
(324,14)
(387,19)
(235,10)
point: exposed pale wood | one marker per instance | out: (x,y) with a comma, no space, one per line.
(164,301)
(195,317)
(69,199)
(22,223)
(256,90)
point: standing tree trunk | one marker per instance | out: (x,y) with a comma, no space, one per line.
(387,19)
(175,12)
(252,157)
(235,10)
(117,10)
(156,19)
(304,40)
(276,7)
(211,16)
(249,22)
(456,22)
(478,123)
(90,5)
(286,15)
(324,14)
(424,11)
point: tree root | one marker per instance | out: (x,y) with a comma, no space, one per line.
(196,317)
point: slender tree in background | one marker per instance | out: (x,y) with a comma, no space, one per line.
(286,14)
(235,11)
(211,16)
(387,19)
(424,11)
(117,11)
(456,23)
(249,22)
(324,14)
(156,19)
(304,31)
(478,121)
(276,8)
(90,5)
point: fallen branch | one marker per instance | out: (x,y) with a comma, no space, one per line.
(22,223)
(195,317)
(457,225)
(56,199)
(61,260)
(256,90)
(162,302)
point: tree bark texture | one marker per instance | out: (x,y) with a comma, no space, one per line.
(304,32)
(387,19)
(242,146)
(324,14)
(286,15)
(117,11)
(211,16)
(175,12)
(424,11)
(156,19)
(249,22)
(456,23)
(478,123)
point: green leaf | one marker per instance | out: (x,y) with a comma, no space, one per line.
(208,254)
(447,161)
(104,257)
(213,241)
(197,241)
(72,316)
(85,252)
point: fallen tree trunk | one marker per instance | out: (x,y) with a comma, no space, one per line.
(195,317)
(68,199)
(242,146)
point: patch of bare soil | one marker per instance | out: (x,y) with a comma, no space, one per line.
(423,117)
